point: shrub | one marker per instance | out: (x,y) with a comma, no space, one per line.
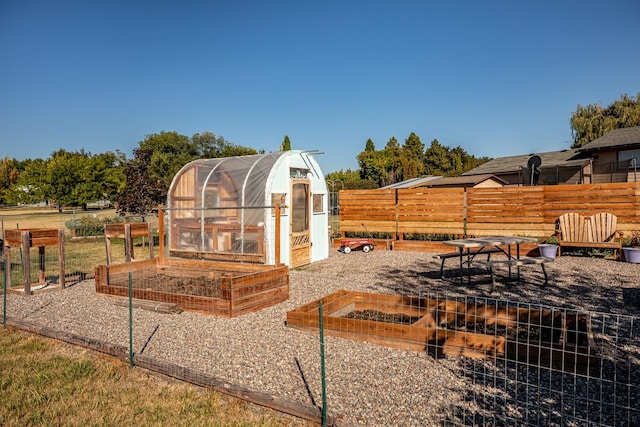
(90,225)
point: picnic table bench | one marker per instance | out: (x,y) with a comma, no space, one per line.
(470,253)
(595,231)
(513,262)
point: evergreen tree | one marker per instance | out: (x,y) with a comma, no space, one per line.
(412,157)
(286,144)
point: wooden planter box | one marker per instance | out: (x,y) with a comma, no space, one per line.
(221,288)
(554,339)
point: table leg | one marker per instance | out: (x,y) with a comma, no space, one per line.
(518,257)
(546,278)
(461,270)
(509,257)
(469,266)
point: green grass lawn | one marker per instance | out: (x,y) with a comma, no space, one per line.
(47,383)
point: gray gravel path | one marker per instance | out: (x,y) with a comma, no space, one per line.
(367,384)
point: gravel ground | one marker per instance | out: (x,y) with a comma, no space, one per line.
(367,384)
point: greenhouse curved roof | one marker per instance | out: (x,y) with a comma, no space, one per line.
(242,179)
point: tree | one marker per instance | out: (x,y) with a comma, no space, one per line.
(286,144)
(8,176)
(208,145)
(69,179)
(159,158)
(590,122)
(437,159)
(170,151)
(107,172)
(141,192)
(371,164)
(392,162)
(29,187)
(412,157)
(348,180)
(79,178)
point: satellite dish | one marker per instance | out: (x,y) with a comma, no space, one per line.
(533,164)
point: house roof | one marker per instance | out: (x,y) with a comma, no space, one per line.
(463,181)
(618,138)
(570,157)
(410,183)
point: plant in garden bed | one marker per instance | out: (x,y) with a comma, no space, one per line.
(91,225)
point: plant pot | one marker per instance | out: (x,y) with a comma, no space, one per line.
(632,255)
(548,250)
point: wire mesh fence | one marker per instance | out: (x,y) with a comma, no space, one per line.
(506,362)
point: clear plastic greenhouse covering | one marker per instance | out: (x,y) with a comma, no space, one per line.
(219,204)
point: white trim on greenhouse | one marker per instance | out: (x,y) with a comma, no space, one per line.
(223,209)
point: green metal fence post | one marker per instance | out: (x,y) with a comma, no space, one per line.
(4,295)
(322,369)
(130,321)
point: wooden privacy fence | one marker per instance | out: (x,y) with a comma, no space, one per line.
(524,211)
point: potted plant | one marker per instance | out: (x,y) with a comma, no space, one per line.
(549,247)
(632,252)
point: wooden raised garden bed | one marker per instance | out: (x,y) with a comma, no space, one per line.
(555,339)
(221,288)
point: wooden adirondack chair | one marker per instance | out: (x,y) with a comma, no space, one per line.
(596,231)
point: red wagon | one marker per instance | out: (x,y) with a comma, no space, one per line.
(347,245)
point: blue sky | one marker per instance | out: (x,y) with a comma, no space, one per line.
(496,78)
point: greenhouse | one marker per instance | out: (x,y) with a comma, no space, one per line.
(225,209)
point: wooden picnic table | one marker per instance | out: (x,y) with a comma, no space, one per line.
(470,247)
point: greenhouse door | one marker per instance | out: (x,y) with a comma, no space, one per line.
(300,234)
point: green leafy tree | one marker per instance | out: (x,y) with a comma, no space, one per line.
(348,180)
(106,173)
(9,174)
(170,151)
(592,121)
(232,150)
(65,179)
(208,145)
(79,178)
(159,158)
(69,179)
(29,187)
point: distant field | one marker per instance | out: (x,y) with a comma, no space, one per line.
(12,218)
(81,254)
